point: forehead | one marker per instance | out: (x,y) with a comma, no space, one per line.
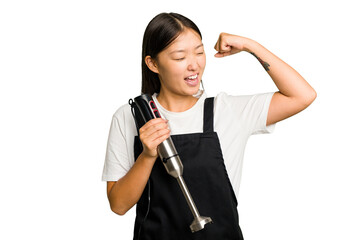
(187,39)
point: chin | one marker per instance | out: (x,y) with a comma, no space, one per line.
(198,93)
(193,91)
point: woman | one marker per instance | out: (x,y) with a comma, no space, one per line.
(210,134)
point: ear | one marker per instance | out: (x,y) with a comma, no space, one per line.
(151,64)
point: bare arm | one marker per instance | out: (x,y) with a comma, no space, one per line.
(126,192)
(294,95)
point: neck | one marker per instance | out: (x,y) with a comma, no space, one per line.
(176,103)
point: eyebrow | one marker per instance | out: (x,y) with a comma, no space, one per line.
(182,50)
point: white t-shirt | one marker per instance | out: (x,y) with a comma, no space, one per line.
(236,118)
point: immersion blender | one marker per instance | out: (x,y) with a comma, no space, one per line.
(171,160)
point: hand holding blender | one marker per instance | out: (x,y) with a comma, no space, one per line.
(171,159)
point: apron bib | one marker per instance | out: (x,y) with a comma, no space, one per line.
(162,212)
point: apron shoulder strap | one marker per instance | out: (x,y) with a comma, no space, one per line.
(139,121)
(208,115)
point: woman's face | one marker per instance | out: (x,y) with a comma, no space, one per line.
(180,66)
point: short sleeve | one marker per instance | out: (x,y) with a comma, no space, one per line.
(261,103)
(116,159)
(245,112)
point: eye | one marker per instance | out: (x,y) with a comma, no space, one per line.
(200,53)
(179,59)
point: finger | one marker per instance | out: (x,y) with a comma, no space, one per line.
(159,134)
(224,47)
(223,54)
(217,45)
(152,141)
(218,42)
(219,55)
(151,123)
(152,129)
(161,138)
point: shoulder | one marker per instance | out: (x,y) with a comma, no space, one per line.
(123,112)
(223,97)
(124,119)
(225,100)
(123,109)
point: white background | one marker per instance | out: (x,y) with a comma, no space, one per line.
(66,66)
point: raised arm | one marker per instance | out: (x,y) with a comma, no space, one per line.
(294,95)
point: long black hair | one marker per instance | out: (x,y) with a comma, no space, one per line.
(161,31)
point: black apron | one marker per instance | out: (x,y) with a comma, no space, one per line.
(162,212)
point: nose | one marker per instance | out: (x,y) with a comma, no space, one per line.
(193,64)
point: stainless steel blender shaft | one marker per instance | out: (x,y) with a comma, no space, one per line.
(174,167)
(188,197)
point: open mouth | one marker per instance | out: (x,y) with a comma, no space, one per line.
(192,80)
